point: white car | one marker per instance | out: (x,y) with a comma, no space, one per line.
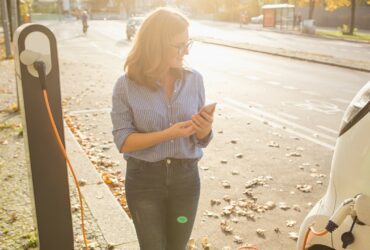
(133,25)
(257,19)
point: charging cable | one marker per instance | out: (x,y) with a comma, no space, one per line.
(334,222)
(40,67)
(314,232)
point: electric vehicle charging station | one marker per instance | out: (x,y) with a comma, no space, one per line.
(344,211)
(34,43)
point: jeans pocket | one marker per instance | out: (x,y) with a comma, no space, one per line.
(134,167)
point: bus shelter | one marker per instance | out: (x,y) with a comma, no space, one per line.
(278,14)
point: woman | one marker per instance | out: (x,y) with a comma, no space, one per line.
(157,126)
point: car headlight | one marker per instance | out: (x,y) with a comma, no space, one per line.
(357,109)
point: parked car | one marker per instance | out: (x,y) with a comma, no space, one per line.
(257,19)
(133,25)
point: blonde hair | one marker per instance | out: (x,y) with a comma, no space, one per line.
(145,62)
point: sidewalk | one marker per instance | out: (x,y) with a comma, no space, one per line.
(301,54)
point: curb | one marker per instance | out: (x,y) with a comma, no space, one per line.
(116,227)
(298,55)
(316,36)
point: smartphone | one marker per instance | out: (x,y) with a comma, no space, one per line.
(210,108)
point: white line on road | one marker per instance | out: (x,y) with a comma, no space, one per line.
(273,83)
(304,132)
(255,104)
(310,92)
(289,116)
(341,100)
(252,78)
(94,45)
(289,87)
(105,51)
(327,129)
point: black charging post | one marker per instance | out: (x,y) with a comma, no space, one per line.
(48,170)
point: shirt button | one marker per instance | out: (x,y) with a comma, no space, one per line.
(172,141)
(170,123)
(168,161)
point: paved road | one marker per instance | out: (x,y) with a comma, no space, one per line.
(306,97)
(262,98)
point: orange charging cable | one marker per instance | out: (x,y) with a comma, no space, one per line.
(63,150)
(314,232)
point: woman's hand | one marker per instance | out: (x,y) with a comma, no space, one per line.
(202,122)
(181,129)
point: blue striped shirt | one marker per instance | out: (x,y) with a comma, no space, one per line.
(137,109)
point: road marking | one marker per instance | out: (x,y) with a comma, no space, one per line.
(289,116)
(273,83)
(94,45)
(310,93)
(319,106)
(327,129)
(252,78)
(301,131)
(104,51)
(341,100)
(254,104)
(289,87)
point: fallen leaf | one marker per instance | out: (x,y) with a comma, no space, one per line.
(261,233)
(225,227)
(290,223)
(293,236)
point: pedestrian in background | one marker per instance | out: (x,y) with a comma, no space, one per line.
(84,19)
(160,131)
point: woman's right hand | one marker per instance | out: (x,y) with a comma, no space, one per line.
(181,129)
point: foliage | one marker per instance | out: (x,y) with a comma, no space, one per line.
(339,34)
(304,2)
(223,9)
(332,5)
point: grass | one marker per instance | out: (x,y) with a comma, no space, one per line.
(6,125)
(338,34)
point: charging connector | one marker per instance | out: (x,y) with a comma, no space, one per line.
(340,214)
(40,67)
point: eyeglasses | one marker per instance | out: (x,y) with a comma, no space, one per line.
(182,48)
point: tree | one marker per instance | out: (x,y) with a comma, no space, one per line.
(311,4)
(332,5)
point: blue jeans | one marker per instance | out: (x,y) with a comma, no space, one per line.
(163,199)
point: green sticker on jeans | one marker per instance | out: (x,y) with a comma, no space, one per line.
(182,219)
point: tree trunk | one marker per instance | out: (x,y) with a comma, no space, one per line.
(352,23)
(312,7)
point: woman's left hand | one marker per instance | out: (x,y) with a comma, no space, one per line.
(202,122)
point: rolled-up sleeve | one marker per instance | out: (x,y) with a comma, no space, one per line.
(202,143)
(121,114)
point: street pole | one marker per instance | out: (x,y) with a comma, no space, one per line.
(14,16)
(4,13)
